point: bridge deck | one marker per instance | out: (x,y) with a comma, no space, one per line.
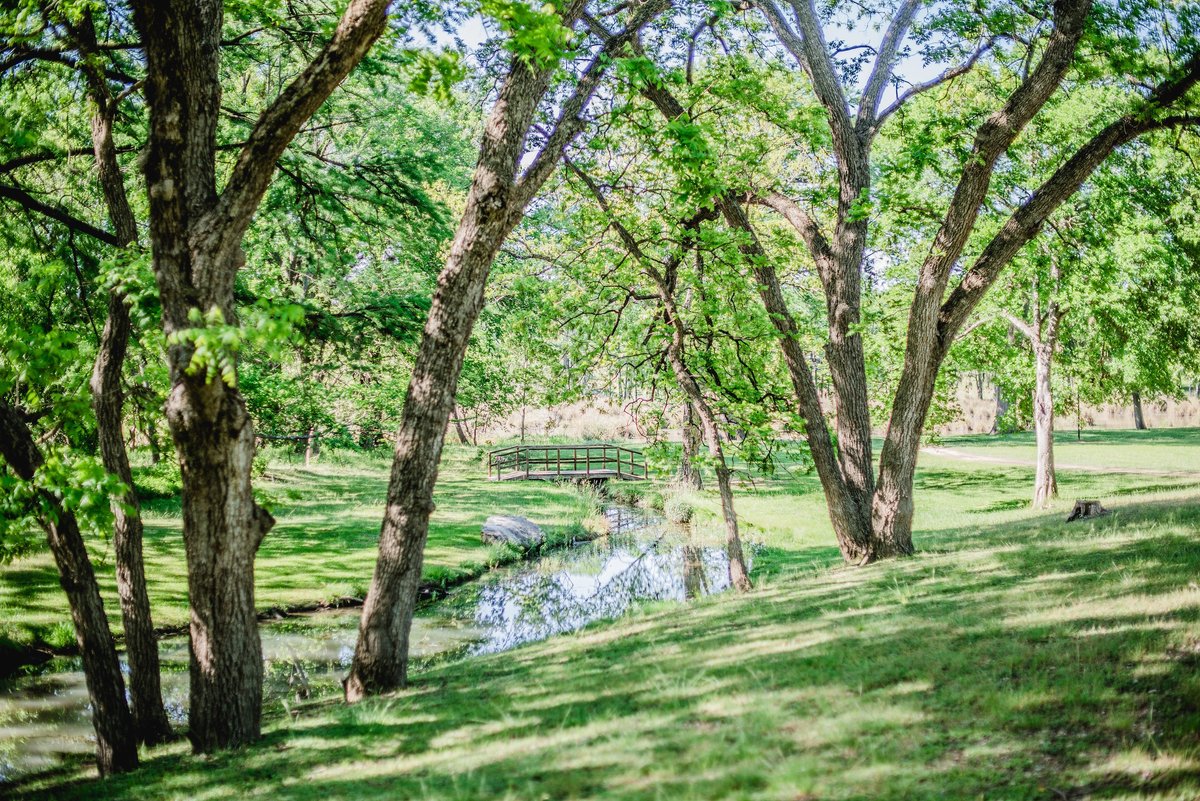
(566,462)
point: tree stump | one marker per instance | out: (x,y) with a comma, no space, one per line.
(1086,509)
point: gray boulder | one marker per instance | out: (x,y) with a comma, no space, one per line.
(514,530)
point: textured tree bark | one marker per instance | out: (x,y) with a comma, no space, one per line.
(1139,420)
(689,474)
(108,402)
(116,743)
(495,204)
(195,236)
(381,654)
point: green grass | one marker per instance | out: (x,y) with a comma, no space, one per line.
(322,547)
(1015,657)
(1165,449)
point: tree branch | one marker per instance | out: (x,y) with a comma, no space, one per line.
(884,64)
(1027,221)
(805,225)
(28,201)
(361,24)
(570,119)
(933,83)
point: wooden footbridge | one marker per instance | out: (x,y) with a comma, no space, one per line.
(566,462)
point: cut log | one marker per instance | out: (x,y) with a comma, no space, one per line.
(1086,509)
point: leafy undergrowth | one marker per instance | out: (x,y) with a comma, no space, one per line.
(1026,660)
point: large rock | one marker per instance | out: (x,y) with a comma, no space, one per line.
(514,530)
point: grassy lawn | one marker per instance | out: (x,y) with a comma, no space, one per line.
(322,547)
(1164,449)
(1015,657)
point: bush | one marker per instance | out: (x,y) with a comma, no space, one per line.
(677,509)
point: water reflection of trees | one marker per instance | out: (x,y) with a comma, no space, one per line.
(600,581)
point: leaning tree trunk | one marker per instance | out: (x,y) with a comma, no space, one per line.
(1139,420)
(1045,485)
(108,402)
(495,204)
(739,576)
(689,474)
(141,646)
(116,743)
(381,654)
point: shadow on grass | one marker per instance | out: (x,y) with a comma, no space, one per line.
(1032,660)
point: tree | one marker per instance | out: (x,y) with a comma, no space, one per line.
(500,192)
(73,31)
(196,238)
(872,510)
(664,280)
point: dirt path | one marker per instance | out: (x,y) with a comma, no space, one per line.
(951,453)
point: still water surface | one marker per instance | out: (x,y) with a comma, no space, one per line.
(45,719)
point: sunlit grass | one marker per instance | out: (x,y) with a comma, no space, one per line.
(1015,657)
(321,549)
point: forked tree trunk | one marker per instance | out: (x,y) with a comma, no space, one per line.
(689,474)
(196,237)
(116,743)
(1139,420)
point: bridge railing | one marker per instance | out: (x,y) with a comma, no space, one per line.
(567,461)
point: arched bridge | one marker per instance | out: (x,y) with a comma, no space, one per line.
(554,462)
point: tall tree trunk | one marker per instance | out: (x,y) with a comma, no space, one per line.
(689,473)
(381,654)
(1139,420)
(108,402)
(309,442)
(116,743)
(1045,484)
(495,204)
(196,238)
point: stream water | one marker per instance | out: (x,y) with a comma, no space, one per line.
(45,719)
